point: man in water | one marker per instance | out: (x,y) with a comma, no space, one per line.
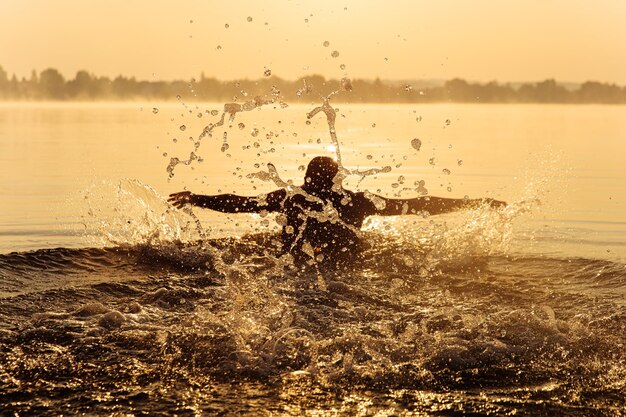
(321,219)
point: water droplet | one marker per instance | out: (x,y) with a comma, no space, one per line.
(449,189)
(183,127)
(342,66)
(164,153)
(254,132)
(447,122)
(335,54)
(346,84)
(395,185)
(408,88)
(373,124)
(267,72)
(178,97)
(200,115)
(301,168)
(214,112)
(306,20)
(249,19)
(369,157)
(174,140)
(401,179)
(225,147)
(219,47)
(416,144)
(241,126)
(326,44)
(308,122)
(446,171)
(460,162)
(226,25)
(431,161)
(155,110)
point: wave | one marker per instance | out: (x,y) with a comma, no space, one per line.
(104,326)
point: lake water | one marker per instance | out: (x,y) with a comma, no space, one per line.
(569,157)
(113,302)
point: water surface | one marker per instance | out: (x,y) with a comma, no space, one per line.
(112,302)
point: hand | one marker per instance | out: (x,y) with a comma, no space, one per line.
(179,200)
(494,203)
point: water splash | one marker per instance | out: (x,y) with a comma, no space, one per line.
(230,109)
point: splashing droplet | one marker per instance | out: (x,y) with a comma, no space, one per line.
(335,54)
(416,144)
(346,84)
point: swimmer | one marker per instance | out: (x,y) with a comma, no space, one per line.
(322,221)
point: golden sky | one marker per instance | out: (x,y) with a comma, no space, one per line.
(480,40)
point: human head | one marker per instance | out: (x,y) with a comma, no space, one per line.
(321,172)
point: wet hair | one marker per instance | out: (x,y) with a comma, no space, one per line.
(321,172)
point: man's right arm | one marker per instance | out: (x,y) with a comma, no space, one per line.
(231,203)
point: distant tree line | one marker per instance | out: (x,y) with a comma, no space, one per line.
(51,85)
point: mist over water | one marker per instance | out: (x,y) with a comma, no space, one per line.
(135,307)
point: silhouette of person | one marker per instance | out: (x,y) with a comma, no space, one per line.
(321,219)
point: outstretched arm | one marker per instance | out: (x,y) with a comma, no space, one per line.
(230,203)
(430,205)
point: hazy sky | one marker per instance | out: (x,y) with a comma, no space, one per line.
(482,40)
